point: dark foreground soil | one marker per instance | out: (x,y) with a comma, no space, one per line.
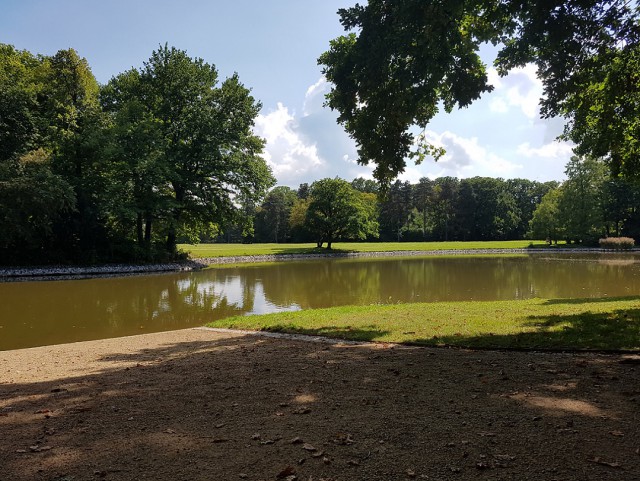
(204,405)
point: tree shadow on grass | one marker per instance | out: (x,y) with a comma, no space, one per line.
(242,407)
(614,331)
(367,334)
(589,300)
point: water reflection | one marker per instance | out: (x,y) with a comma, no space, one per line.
(39,313)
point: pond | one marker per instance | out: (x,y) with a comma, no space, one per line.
(53,312)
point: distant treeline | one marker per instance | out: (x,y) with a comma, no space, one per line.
(589,205)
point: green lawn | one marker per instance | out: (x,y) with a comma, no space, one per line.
(607,324)
(229,250)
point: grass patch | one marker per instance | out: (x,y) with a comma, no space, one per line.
(599,324)
(232,250)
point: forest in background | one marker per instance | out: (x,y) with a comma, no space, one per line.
(589,205)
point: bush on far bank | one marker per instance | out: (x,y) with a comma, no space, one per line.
(617,243)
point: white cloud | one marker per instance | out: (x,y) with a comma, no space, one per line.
(288,154)
(520,89)
(552,150)
(465,157)
(311,146)
(314,97)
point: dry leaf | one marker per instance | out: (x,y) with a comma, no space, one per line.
(600,461)
(308,447)
(286,472)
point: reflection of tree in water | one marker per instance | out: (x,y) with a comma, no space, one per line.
(321,283)
(324,283)
(486,278)
(35,313)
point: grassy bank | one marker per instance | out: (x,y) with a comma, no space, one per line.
(231,250)
(607,324)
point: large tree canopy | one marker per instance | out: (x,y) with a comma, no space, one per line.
(403,60)
(92,173)
(186,144)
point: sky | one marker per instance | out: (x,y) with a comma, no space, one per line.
(273,45)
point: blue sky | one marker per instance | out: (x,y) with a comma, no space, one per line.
(273,45)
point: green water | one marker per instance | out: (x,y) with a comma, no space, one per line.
(53,312)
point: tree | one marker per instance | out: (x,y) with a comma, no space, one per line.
(581,201)
(272,220)
(401,61)
(338,211)
(196,135)
(297,220)
(395,209)
(422,199)
(21,83)
(32,200)
(365,185)
(546,222)
(445,197)
(526,194)
(75,134)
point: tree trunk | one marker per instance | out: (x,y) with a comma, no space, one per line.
(147,231)
(139,229)
(171,240)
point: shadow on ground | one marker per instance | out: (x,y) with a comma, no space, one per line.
(264,409)
(367,334)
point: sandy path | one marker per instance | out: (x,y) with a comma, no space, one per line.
(205,405)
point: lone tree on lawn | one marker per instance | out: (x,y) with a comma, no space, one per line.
(338,211)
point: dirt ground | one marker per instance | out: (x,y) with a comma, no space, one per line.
(205,405)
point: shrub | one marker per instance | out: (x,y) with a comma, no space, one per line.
(617,243)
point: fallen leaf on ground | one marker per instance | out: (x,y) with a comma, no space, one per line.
(37,449)
(343,438)
(598,460)
(308,447)
(286,472)
(616,433)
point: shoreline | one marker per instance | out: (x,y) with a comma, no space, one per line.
(17,274)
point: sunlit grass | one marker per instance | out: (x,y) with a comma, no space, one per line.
(232,250)
(606,324)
